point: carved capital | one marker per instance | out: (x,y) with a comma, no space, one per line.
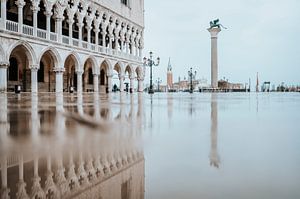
(4,65)
(59,70)
(20,3)
(34,67)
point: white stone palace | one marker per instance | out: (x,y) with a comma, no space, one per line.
(55,45)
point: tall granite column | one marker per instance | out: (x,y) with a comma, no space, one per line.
(214,56)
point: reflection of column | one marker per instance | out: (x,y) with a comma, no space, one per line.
(50,187)
(34,81)
(79,81)
(96,82)
(59,79)
(3,75)
(96,107)
(4,189)
(72,178)
(21,184)
(60,178)
(36,190)
(170,105)
(79,104)
(214,157)
(214,56)
(83,180)
(35,122)
(131,84)
(121,78)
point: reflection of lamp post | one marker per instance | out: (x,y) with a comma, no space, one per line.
(191,76)
(158,81)
(149,62)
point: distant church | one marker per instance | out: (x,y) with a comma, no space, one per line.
(169,76)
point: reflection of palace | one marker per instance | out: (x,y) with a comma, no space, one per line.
(56,45)
(58,158)
(214,156)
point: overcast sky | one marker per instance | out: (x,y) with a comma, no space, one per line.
(262,36)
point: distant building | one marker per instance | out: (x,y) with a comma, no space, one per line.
(226,85)
(169,76)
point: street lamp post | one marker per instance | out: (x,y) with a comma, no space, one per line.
(149,62)
(192,76)
(158,81)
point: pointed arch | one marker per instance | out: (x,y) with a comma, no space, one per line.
(94,63)
(119,67)
(106,64)
(129,69)
(30,53)
(54,54)
(76,59)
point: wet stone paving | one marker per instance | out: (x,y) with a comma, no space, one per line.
(135,146)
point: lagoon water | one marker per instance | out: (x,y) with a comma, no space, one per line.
(161,146)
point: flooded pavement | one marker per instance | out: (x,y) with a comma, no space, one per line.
(175,145)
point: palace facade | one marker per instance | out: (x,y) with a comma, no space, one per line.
(55,45)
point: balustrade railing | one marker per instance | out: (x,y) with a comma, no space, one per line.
(75,42)
(42,33)
(65,39)
(84,44)
(12,26)
(29,30)
(53,36)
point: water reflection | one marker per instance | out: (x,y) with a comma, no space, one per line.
(214,156)
(53,152)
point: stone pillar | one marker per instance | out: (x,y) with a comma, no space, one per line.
(79,81)
(48,14)
(3,76)
(36,190)
(58,26)
(59,79)
(96,37)
(3,14)
(131,84)
(121,78)
(20,4)
(89,28)
(35,8)
(80,24)
(71,21)
(96,82)
(214,56)
(140,85)
(109,83)
(34,80)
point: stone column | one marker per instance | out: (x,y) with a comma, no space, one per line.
(80,25)
(109,83)
(20,4)
(48,14)
(140,85)
(35,8)
(121,78)
(96,37)
(3,76)
(71,21)
(79,81)
(36,190)
(103,38)
(214,56)
(96,82)
(3,14)
(58,26)
(59,79)
(34,80)
(131,84)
